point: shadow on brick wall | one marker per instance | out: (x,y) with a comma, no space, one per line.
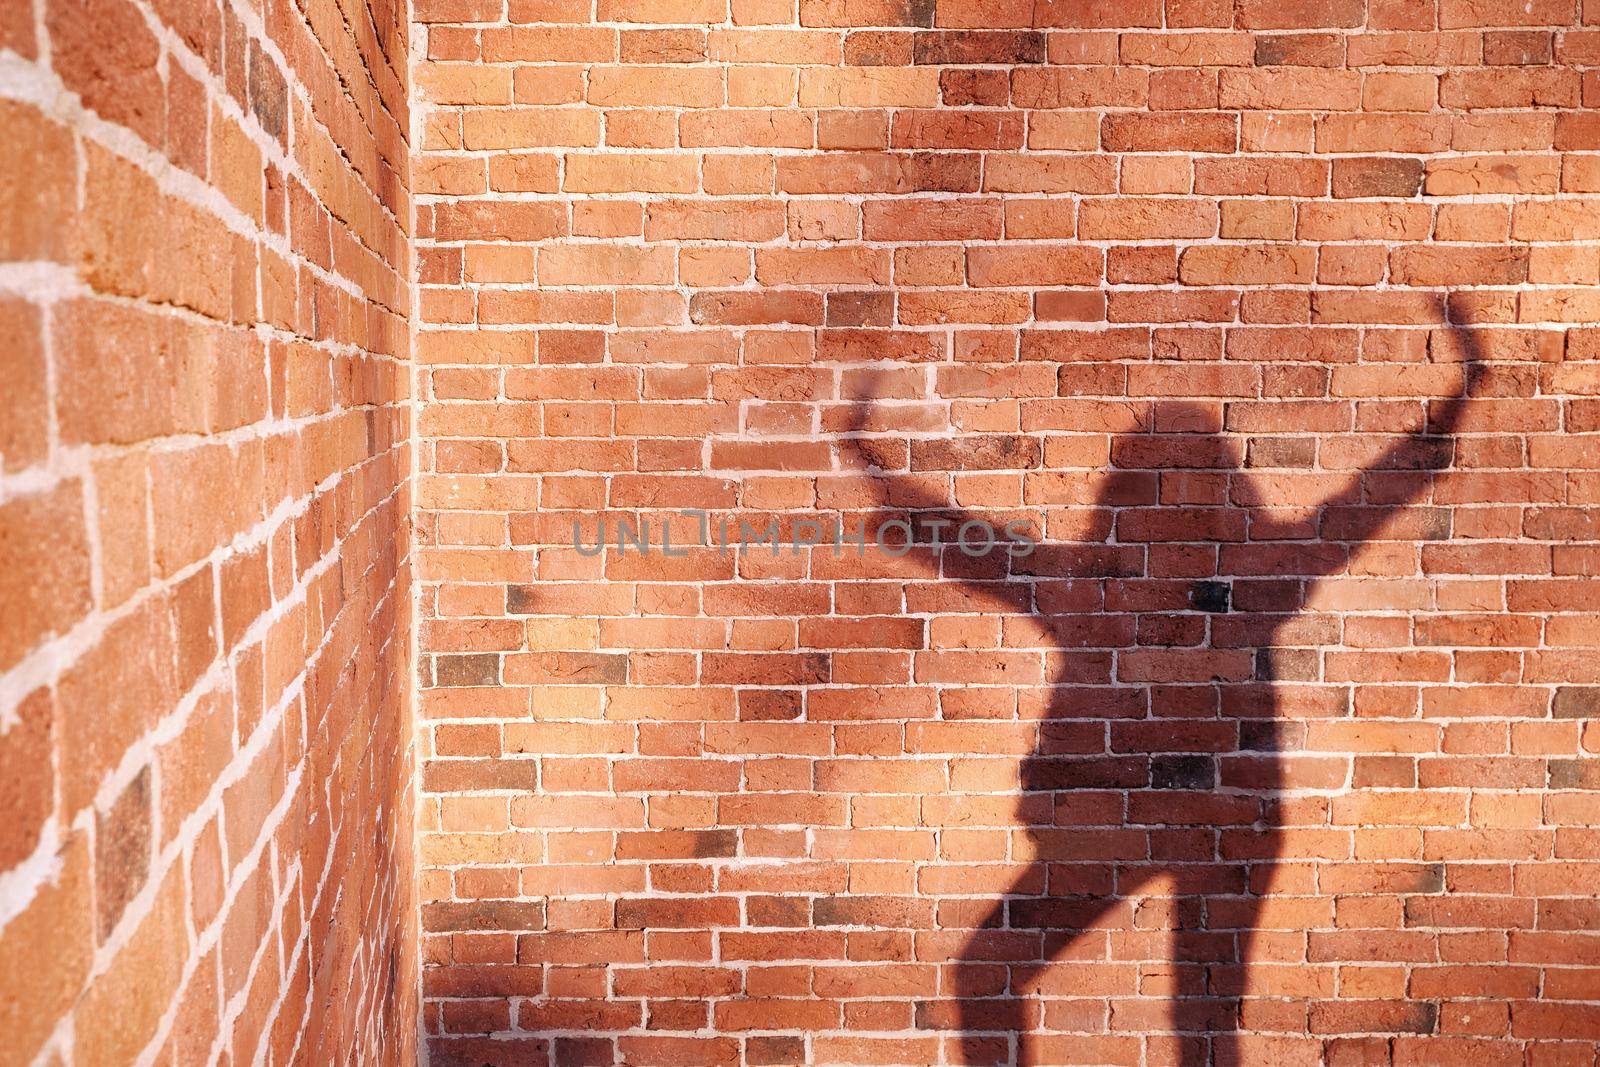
(1147,774)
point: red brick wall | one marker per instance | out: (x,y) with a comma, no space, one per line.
(773,800)
(204,577)
(1186,290)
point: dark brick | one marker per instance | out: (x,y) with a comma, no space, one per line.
(481,981)
(894,913)
(1183,772)
(676,913)
(1400,1017)
(778,911)
(1270,735)
(486,1052)
(1518,48)
(860,309)
(974,88)
(1300,50)
(1095,772)
(1576,702)
(1055,913)
(942,172)
(1575,774)
(1210,596)
(774,1051)
(972,453)
(521,600)
(1000,47)
(587,668)
(1377,176)
(122,851)
(1280,452)
(587,1051)
(769,705)
(448,915)
(476,669)
(269,93)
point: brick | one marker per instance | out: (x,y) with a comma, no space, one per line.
(1036,266)
(866,13)
(592,265)
(1473,174)
(155,352)
(1300,50)
(38,191)
(931,129)
(131,240)
(144,375)
(869,87)
(1299,14)
(1134,218)
(643,86)
(528,128)
(479,220)
(1199,132)
(122,852)
(1376,177)
(25,753)
(1078,87)
(630,174)
(1340,222)
(104,52)
(55,924)
(1454,13)
(1003,47)
(142,977)
(44,555)
(1290,90)
(193,760)
(1481,266)
(1097,13)
(1259,265)
(1575,702)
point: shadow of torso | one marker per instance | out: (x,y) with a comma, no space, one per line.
(1180,670)
(1147,809)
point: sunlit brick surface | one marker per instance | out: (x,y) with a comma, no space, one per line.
(204,561)
(1171,286)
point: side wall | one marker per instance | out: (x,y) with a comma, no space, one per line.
(731,807)
(204,548)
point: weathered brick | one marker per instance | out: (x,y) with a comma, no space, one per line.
(165,233)
(1293,697)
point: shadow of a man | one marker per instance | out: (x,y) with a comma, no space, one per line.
(1159,747)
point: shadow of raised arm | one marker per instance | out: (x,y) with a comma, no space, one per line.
(1425,452)
(899,498)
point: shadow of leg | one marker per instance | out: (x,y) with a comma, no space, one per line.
(990,1013)
(1200,1015)
(1212,947)
(1227,984)
(998,1019)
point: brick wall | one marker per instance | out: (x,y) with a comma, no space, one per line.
(1279,745)
(204,577)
